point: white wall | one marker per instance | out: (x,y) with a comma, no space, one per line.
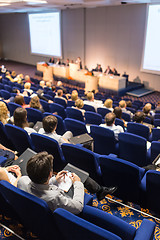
(108,35)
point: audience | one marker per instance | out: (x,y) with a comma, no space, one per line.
(157,107)
(41,182)
(74,95)
(118,112)
(122,105)
(20,120)
(79,105)
(19,99)
(90,101)
(27,87)
(108,104)
(4,113)
(60,95)
(49,129)
(110,124)
(35,103)
(6,174)
(147,111)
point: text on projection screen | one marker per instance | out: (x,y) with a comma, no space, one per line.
(45,33)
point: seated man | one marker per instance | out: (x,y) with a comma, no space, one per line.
(49,129)
(40,183)
(60,95)
(110,124)
(91,101)
(139,117)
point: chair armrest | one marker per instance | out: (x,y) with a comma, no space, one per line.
(145,231)
(2,161)
(109,222)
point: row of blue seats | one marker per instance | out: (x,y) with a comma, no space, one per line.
(92,223)
(126,175)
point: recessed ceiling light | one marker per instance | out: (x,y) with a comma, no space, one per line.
(4,4)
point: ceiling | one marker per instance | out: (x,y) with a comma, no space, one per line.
(8,6)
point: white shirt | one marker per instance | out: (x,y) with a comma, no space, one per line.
(116,129)
(53,135)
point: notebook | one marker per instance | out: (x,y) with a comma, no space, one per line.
(81,139)
(37,126)
(81,173)
(23,159)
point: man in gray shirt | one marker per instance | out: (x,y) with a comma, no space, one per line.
(41,183)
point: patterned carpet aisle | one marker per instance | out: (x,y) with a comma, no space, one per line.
(131,216)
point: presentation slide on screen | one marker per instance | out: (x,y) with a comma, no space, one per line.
(45,33)
(151,57)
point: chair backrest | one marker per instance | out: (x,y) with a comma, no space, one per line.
(19,138)
(156,122)
(45,105)
(8,88)
(123,174)
(89,108)
(12,107)
(34,115)
(103,111)
(60,101)
(27,99)
(75,126)
(138,129)
(77,228)
(1,86)
(74,113)
(126,117)
(133,148)
(49,97)
(157,116)
(5,94)
(33,212)
(155,134)
(155,149)
(60,126)
(147,120)
(44,143)
(131,109)
(104,140)
(83,159)
(4,140)
(54,107)
(70,103)
(92,118)
(152,194)
(119,122)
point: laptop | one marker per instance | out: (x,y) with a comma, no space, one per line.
(81,139)
(23,159)
(37,126)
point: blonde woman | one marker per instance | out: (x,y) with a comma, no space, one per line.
(4,113)
(108,104)
(27,87)
(35,103)
(79,105)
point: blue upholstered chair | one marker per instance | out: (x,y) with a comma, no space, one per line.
(8,88)
(151,186)
(88,108)
(75,126)
(138,129)
(54,107)
(49,97)
(4,140)
(60,101)
(83,159)
(132,110)
(157,116)
(27,99)
(12,107)
(104,140)
(126,117)
(60,126)
(32,211)
(156,122)
(133,148)
(34,115)
(97,224)
(2,161)
(155,149)
(119,122)
(70,103)
(103,111)
(19,138)
(45,105)
(92,118)
(155,135)
(123,174)
(44,143)
(5,94)
(74,113)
